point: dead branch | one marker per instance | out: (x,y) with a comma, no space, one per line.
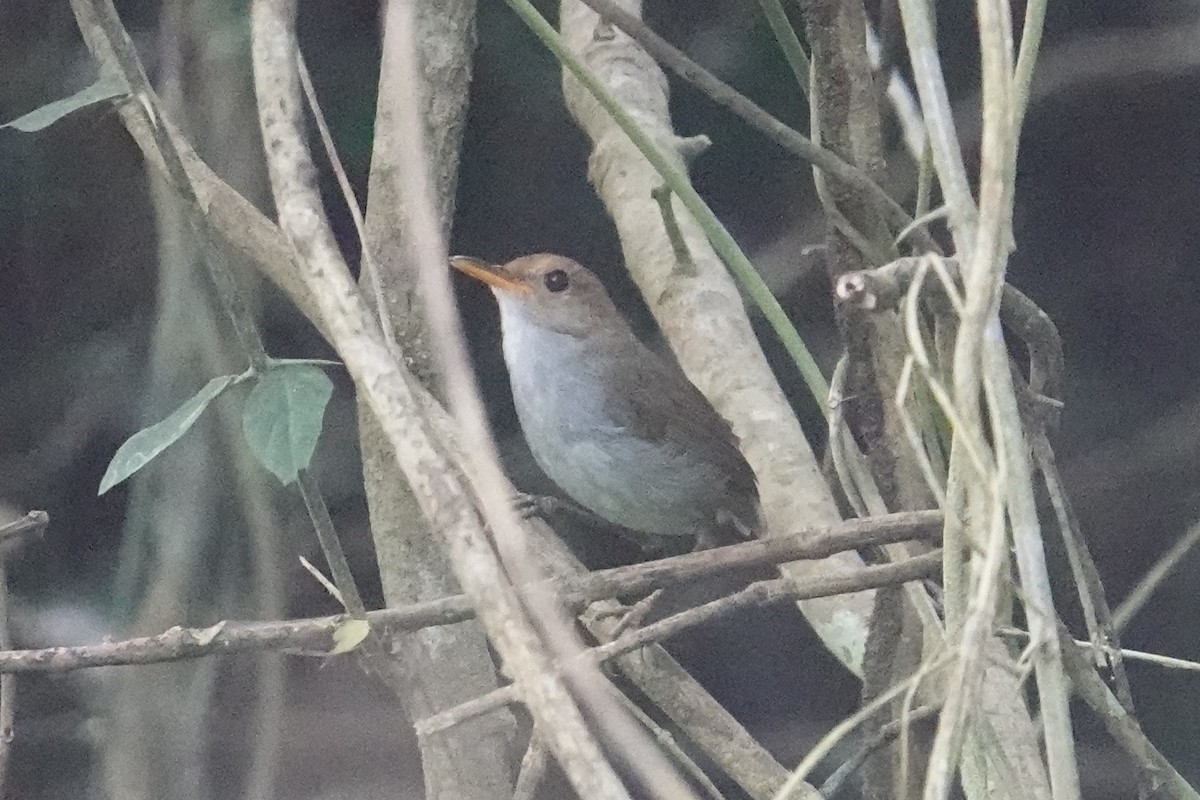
(1155,771)
(886,734)
(756,595)
(885,288)
(224,638)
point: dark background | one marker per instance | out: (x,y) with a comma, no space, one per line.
(1107,243)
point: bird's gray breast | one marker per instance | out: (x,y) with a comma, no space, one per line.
(559,388)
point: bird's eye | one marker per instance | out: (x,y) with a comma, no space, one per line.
(556,280)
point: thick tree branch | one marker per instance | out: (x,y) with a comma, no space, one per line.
(443,666)
(701,314)
(387,388)
(731,99)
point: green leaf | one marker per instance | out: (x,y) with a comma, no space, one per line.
(283,417)
(103,90)
(349,635)
(141,448)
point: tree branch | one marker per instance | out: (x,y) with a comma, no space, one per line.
(885,287)
(734,101)
(386,387)
(1155,770)
(756,595)
(578,591)
(702,316)
(443,666)
(12,536)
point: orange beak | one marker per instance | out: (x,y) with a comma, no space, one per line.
(490,274)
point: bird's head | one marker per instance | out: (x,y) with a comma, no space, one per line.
(550,291)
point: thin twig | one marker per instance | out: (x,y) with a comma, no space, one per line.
(266,743)
(770,592)
(882,737)
(725,95)
(1167,662)
(368,260)
(683,259)
(1137,598)
(904,103)
(939,120)
(1102,628)
(179,644)
(776,550)
(331,543)
(8,683)
(788,41)
(475,707)
(577,591)
(756,595)
(1031,41)
(320,578)
(1153,768)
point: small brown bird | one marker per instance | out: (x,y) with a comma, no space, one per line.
(620,429)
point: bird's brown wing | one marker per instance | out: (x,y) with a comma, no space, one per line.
(665,405)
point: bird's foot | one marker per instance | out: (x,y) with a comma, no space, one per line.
(533,505)
(545,505)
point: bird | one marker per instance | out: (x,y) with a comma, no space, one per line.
(618,427)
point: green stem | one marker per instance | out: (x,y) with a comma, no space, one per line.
(331,545)
(676,178)
(788,41)
(1031,40)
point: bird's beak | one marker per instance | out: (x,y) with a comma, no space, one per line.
(492,275)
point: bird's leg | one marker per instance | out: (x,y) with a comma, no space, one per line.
(545,506)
